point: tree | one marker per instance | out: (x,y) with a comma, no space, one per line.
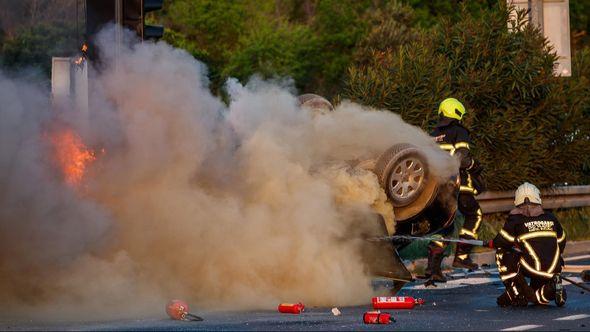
(229,37)
(34,46)
(580,23)
(32,31)
(526,123)
(275,50)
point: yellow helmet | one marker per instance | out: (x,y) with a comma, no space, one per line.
(452,108)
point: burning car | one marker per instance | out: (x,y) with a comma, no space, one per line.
(422,203)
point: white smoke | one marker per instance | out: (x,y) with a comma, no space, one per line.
(239,206)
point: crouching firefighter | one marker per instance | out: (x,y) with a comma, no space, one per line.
(453,137)
(539,240)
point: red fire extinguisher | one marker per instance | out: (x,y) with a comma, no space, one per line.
(376,317)
(178,309)
(395,302)
(291,308)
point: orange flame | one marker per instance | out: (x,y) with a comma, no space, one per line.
(79,60)
(83,56)
(72,156)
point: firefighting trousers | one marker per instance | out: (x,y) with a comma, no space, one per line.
(469,208)
(539,291)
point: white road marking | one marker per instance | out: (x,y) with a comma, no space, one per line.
(576,258)
(476,272)
(473,278)
(521,328)
(462,282)
(573,317)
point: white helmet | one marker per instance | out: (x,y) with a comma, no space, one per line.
(527,190)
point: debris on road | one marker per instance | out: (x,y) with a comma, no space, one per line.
(395,302)
(336,312)
(376,317)
(291,308)
(179,310)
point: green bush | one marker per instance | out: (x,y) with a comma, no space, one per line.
(339,25)
(34,46)
(526,123)
(580,23)
(275,50)
(312,41)
(389,27)
(575,222)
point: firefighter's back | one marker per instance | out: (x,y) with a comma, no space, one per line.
(539,236)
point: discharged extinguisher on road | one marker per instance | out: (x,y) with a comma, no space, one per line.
(376,317)
(178,310)
(291,308)
(395,302)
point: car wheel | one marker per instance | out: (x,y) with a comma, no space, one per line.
(404,175)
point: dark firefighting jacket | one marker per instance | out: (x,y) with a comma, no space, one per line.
(451,136)
(538,235)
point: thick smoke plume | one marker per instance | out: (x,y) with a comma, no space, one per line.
(240,206)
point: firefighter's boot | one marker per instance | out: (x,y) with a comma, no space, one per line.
(517,296)
(511,299)
(520,301)
(523,287)
(560,294)
(462,259)
(433,270)
(504,300)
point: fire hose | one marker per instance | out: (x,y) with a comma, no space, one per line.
(586,288)
(480,243)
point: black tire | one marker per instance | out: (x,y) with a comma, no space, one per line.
(403,173)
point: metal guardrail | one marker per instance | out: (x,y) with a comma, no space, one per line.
(554,198)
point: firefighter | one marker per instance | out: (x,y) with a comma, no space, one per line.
(540,240)
(453,137)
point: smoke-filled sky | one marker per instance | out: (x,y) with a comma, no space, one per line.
(227,207)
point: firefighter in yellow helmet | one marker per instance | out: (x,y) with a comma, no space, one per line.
(453,137)
(541,241)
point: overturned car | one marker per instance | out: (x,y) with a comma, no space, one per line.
(422,203)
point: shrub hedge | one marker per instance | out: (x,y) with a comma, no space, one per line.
(526,123)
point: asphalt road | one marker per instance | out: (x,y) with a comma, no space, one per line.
(467,302)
